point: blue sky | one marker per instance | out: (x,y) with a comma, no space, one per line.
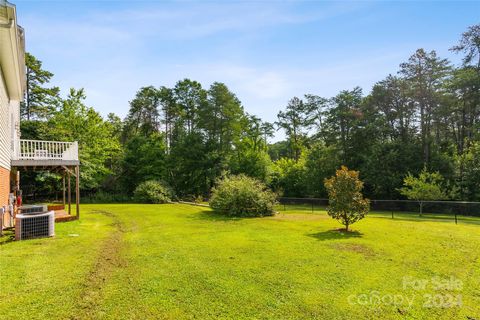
(265,51)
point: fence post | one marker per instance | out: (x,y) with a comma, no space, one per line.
(392,214)
(455,216)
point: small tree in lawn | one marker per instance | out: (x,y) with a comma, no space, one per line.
(427,187)
(346,202)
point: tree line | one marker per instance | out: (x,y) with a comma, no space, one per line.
(424,118)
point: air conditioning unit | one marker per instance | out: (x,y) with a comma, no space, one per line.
(33,209)
(30,226)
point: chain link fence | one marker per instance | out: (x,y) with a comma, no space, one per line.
(450,210)
(455,210)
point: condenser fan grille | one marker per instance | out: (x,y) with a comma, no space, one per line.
(35,226)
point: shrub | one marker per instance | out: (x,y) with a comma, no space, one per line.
(152,191)
(242,196)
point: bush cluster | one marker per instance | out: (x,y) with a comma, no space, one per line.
(152,191)
(242,196)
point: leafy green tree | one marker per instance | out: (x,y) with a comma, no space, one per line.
(223,121)
(268,130)
(74,121)
(112,183)
(316,109)
(341,120)
(143,117)
(288,177)
(396,111)
(190,167)
(33,129)
(255,164)
(190,98)
(295,120)
(426,187)
(386,166)
(222,117)
(256,133)
(144,159)
(425,73)
(117,125)
(367,131)
(169,113)
(345,199)
(40,101)
(353,126)
(470,45)
(468,173)
(463,112)
(278,150)
(321,162)
(250,155)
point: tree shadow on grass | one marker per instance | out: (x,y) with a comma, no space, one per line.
(336,234)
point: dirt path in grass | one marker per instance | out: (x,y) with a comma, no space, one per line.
(107,261)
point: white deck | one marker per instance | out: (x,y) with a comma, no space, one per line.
(45,153)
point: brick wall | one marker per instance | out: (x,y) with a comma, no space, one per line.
(4,191)
(4,186)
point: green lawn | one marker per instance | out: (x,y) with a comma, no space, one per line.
(180,261)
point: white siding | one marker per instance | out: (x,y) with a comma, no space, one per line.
(14,126)
(5,129)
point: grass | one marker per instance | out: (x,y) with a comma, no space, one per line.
(181,262)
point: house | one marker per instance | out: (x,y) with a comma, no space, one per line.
(17,154)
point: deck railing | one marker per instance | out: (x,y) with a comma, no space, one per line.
(46,150)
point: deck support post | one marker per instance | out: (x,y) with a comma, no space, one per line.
(17,182)
(69,194)
(63,196)
(77,190)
